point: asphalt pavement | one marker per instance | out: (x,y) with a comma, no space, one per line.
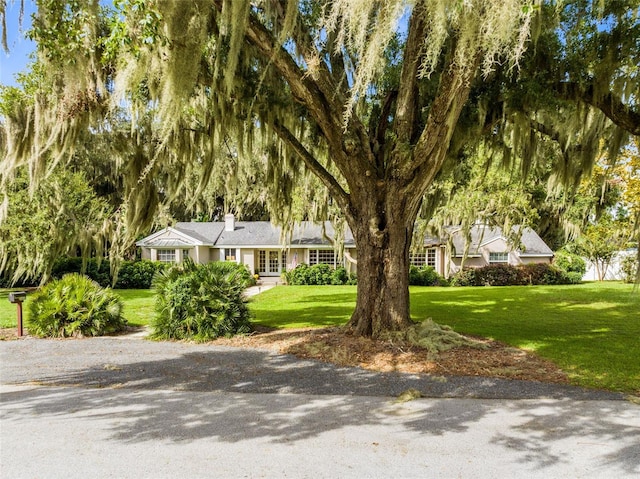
(125,407)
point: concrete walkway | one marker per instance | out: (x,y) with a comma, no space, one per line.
(122,408)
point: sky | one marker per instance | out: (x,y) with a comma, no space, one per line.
(19,47)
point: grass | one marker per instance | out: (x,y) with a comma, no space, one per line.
(591,330)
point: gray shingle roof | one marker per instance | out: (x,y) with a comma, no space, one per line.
(208,233)
(259,233)
(531,243)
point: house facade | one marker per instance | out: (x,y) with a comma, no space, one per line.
(260,246)
(257,244)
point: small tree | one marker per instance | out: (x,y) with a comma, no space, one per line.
(601,241)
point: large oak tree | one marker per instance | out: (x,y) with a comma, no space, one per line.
(371,97)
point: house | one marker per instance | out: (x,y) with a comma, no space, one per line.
(488,245)
(257,244)
(260,246)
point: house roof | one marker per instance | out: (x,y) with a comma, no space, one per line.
(265,234)
(245,233)
(530,243)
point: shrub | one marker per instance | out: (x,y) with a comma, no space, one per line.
(498,275)
(74,306)
(464,277)
(318,274)
(544,273)
(425,276)
(570,262)
(98,271)
(201,302)
(629,268)
(138,274)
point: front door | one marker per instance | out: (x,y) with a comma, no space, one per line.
(270,262)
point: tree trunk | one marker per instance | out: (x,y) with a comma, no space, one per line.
(383,244)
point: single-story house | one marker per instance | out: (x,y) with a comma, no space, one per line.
(257,244)
(260,246)
(489,245)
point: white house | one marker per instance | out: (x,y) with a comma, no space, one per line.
(260,246)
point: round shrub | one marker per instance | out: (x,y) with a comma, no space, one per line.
(570,262)
(318,275)
(74,305)
(464,277)
(425,276)
(138,274)
(201,302)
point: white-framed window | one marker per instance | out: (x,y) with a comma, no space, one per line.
(262,261)
(426,258)
(324,256)
(185,254)
(167,255)
(498,257)
(229,254)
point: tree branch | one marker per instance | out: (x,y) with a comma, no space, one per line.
(609,104)
(336,191)
(408,90)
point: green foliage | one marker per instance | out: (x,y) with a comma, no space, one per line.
(131,275)
(61,216)
(201,302)
(97,271)
(318,275)
(138,274)
(510,275)
(629,268)
(74,306)
(425,276)
(570,262)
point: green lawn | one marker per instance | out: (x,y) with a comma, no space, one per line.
(592,331)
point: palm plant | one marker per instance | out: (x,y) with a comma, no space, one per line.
(74,306)
(201,302)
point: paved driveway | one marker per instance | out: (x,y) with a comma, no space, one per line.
(121,407)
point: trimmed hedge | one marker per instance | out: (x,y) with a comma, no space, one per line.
(509,275)
(425,276)
(570,262)
(319,275)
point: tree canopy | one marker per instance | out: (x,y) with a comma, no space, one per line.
(379,100)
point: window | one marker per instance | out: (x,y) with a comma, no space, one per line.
(230,254)
(498,257)
(262,261)
(325,256)
(185,254)
(428,258)
(167,255)
(418,259)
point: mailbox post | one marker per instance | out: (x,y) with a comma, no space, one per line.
(18,297)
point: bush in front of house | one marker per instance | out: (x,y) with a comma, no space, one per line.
(74,305)
(201,301)
(425,276)
(319,275)
(138,274)
(510,275)
(98,271)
